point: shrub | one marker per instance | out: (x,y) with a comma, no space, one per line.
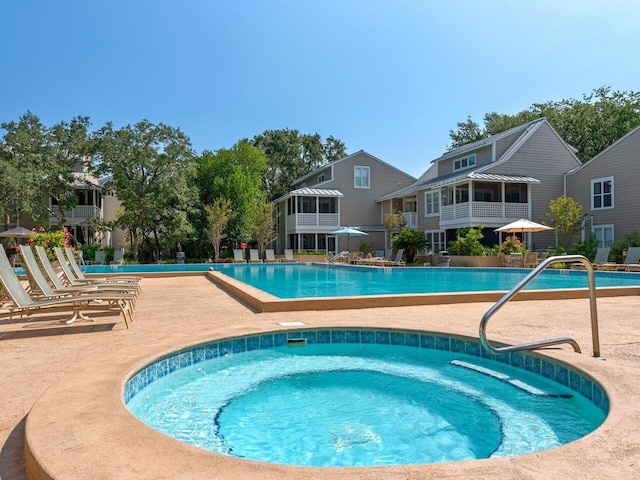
(587,247)
(630,240)
(49,240)
(468,242)
(512,245)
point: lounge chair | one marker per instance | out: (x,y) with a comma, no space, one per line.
(67,278)
(81,277)
(98,259)
(118,256)
(238,256)
(288,256)
(270,256)
(254,256)
(505,260)
(21,302)
(600,262)
(397,261)
(632,260)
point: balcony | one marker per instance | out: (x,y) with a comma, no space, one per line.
(482,212)
(313,222)
(76,215)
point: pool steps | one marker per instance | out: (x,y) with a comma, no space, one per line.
(503,377)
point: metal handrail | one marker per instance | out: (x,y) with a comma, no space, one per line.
(554,341)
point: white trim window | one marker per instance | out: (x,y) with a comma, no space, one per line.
(321,178)
(437,240)
(604,234)
(463,163)
(361,177)
(602,193)
(432,203)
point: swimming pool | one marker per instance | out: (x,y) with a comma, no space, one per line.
(360,397)
(316,280)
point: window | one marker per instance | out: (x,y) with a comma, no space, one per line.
(361,177)
(321,178)
(604,234)
(462,193)
(431,203)
(437,240)
(515,192)
(463,163)
(487,192)
(602,193)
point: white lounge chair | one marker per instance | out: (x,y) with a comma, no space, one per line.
(254,256)
(288,256)
(238,256)
(82,278)
(21,302)
(270,256)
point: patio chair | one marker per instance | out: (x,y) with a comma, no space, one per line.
(118,256)
(238,256)
(81,276)
(270,256)
(288,256)
(632,260)
(505,260)
(531,260)
(254,256)
(600,262)
(66,279)
(21,303)
(98,259)
(397,261)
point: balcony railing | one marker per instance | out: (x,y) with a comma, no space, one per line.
(496,210)
(313,220)
(79,213)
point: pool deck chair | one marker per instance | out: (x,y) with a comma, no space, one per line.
(238,256)
(21,303)
(288,256)
(270,256)
(531,260)
(601,260)
(254,256)
(632,260)
(98,259)
(118,256)
(397,261)
(82,278)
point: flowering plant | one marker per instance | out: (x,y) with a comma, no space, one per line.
(512,245)
(57,238)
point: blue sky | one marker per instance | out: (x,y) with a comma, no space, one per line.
(388,77)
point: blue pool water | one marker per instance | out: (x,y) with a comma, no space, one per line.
(361,404)
(318,280)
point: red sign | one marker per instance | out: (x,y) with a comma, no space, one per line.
(243,245)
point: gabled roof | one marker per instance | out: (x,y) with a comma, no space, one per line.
(588,162)
(335,162)
(310,192)
(429,180)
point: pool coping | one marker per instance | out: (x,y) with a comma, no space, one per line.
(261,301)
(85,415)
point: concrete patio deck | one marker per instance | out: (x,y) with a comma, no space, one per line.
(39,356)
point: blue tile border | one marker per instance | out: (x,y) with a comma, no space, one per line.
(561,373)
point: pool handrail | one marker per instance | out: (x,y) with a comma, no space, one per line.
(555,341)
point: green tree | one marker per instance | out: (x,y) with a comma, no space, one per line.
(467,242)
(263,225)
(236,174)
(565,215)
(150,168)
(412,241)
(218,215)
(590,124)
(37,162)
(292,155)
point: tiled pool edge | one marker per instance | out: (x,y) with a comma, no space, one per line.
(557,371)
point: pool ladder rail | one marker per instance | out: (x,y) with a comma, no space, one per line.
(554,341)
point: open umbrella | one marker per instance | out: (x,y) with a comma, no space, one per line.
(349,231)
(522,226)
(17,232)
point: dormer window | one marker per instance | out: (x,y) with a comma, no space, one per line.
(466,162)
(321,178)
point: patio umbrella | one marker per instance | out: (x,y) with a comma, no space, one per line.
(523,226)
(16,233)
(349,231)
